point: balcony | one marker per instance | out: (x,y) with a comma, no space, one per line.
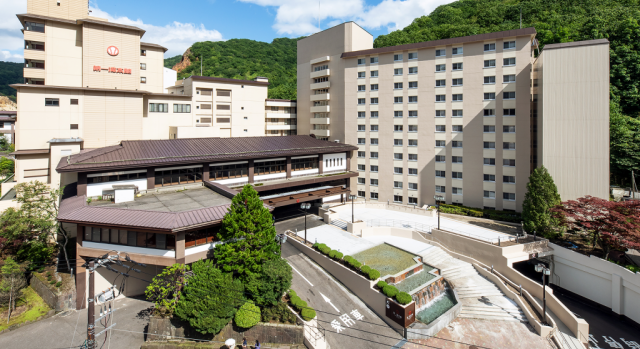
(320,97)
(320,109)
(281,127)
(320,73)
(320,60)
(320,85)
(321,133)
(33,73)
(320,121)
(281,116)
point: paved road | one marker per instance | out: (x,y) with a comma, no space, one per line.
(361,327)
(58,331)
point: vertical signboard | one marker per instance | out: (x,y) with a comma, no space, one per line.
(402,315)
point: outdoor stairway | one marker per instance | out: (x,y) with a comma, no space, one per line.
(478,291)
(458,271)
(342,224)
(490,312)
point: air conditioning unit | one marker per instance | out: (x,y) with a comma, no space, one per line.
(337,141)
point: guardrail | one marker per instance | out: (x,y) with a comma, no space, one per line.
(425,228)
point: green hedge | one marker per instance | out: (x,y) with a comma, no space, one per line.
(403,298)
(365,269)
(339,255)
(308,314)
(332,253)
(292,293)
(506,216)
(374,274)
(381,284)
(248,315)
(390,291)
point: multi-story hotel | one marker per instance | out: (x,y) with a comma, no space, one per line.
(457,117)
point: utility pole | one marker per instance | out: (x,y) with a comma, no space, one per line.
(91,332)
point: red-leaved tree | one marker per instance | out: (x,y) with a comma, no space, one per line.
(611,225)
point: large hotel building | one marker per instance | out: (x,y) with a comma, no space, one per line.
(465,118)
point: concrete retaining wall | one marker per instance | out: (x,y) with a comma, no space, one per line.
(419,330)
(57,302)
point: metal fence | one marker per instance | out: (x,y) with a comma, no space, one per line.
(425,228)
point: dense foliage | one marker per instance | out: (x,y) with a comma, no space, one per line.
(245,59)
(10,73)
(506,216)
(166,287)
(267,288)
(541,196)
(248,315)
(555,21)
(171,61)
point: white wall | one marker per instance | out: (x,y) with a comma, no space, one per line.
(95,189)
(170,77)
(338,157)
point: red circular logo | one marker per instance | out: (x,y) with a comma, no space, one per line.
(112,51)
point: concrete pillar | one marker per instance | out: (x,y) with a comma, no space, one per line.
(82,184)
(250,172)
(321,164)
(617,294)
(349,160)
(180,255)
(151,178)
(205,172)
(288,166)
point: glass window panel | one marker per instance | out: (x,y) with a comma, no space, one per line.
(161,241)
(171,242)
(105,235)
(95,234)
(151,240)
(189,240)
(87,233)
(131,238)
(123,237)
(141,240)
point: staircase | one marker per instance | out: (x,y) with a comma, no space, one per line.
(342,224)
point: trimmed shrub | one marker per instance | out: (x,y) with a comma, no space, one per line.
(403,298)
(308,314)
(365,269)
(348,259)
(357,264)
(374,274)
(338,255)
(325,249)
(292,293)
(301,305)
(248,315)
(332,253)
(294,300)
(381,284)
(390,291)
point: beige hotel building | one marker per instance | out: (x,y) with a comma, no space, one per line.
(465,118)
(90,83)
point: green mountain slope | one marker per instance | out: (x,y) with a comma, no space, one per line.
(557,21)
(171,61)
(10,73)
(246,59)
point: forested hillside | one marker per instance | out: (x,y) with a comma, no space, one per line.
(10,73)
(557,21)
(171,61)
(246,59)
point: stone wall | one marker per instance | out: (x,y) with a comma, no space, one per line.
(58,302)
(404,274)
(429,293)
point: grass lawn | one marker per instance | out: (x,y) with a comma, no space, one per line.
(385,258)
(32,307)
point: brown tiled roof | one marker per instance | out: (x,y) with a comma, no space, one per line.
(576,44)
(148,44)
(442,42)
(8,112)
(22,16)
(16,86)
(171,152)
(110,24)
(214,79)
(30,151)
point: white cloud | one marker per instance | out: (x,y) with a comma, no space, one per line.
(300,17)
(11,39)
(8,56)
(176,36)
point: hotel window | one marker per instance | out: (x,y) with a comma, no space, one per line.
(374,141)
(361,193)
(509,78)
(361,140)
(489,96)
(489,79)
(489,178)
(73,101)
(490,161)
(441,53)
(361,61)
(413,55)
(457,66)
(413,201)
(374,87)
(413,186)
(374,100)
(397,198)
(143,66)
(489,112)
(73,126)
(456,159)
(397,156)
(509,145)
(115,178)
(362,100)
(456,82)
(489,129)
(509,196)
(489,145)
(397,142)
(361,88)
(182,108)
(361,114)
(456,144)
(397,71)
(456,51)
(441,83)
(143,80)
(397,99)
(413,142)
(508,61)
(413,172)
(397,86)
(374,114)
(361,75)
(441,128)
(441,158)
(361,167)
(489,194)
(374,73)
(374,196)
(143,52)
(507,45)
(374,182)
(361,154)
(413,113)
(413,70)
(397,113)
(228,171)
(52,102)
(34,27)
(159,107)
(441,98)
(274,108)
(508,95)
(373,60)
(508,112)
(413,84)
(374,128)
(456,97)
(441,189)
(397,170)
(509,129)
(456,191)
(130,238)
(440,144)
(397,184)
(320,68)
(304,164)
(490,63)
(413,128)
(361,128)
(413,99)
(397,57)
(441,174)
(441,67)
(374,168)
(509,179)
(441,113)
(509,162)
(489,47)
(373,155)
(319,80)
(178,176)
(456,113)
(456,175)
(268,167)
(413,157)
(456,128)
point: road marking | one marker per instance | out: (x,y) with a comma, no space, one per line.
(329,301)
(305,279)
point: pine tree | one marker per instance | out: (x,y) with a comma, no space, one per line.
(542,194)
(249,235)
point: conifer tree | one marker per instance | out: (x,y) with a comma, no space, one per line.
(542,195)
(249,236)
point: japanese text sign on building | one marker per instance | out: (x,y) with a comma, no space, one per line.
(112,69)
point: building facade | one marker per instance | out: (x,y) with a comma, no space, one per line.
(7,125)
(453,116)
(281,117)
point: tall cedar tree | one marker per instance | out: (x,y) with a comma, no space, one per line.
(267,288)
(210,298)
(612,225)
(249,234)
(542,194)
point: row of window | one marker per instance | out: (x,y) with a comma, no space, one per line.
(488,194)
(120,177)
(396,156)
(456,97)
(55,102)
(489,63)
(396,142)
(164,108)
(454,190)
(396,184)
(396,128)
(130,238)
(396,170)
(456,113)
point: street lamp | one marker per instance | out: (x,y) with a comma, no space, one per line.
(353,198)
(281,238)
(541,268)
(438,199)
(305,206)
